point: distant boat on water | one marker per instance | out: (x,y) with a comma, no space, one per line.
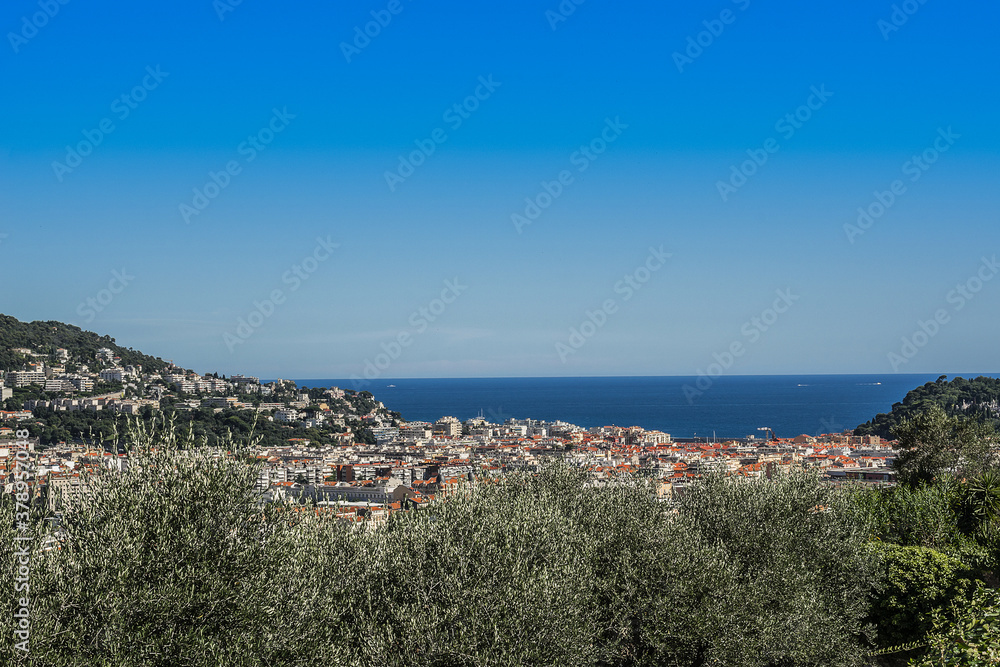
(735,406)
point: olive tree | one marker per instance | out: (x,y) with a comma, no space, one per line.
(177,562)
(933,443)
(800,570)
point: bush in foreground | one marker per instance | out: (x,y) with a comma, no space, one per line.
(174,563)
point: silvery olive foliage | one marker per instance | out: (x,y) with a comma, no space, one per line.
(177,562)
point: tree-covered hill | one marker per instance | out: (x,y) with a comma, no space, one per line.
(46,337)
(978,398)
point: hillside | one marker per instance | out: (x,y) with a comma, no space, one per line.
(184,407)
(978,398)
(46,337)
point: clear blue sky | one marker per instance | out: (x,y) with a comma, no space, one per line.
(886,94)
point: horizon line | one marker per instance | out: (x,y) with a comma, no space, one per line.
(585,377)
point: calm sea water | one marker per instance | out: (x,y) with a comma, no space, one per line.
(733,406)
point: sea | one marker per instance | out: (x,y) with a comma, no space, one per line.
(686,407)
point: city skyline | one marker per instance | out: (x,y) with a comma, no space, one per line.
(538,189)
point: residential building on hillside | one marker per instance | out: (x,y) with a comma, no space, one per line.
(18,379)
(288,416)
(112,375)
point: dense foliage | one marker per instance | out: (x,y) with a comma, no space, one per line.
(175,563)
(917,582)
(933,444)
(969,634)
(214,427)
(939,537)
(977,399)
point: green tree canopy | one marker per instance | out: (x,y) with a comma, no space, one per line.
(978,398)
(174,562)
(932,444)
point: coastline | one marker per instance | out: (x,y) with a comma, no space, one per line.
(735,406)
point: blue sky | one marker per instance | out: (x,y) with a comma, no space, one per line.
(645,110)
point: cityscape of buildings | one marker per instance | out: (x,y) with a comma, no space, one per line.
(365,461)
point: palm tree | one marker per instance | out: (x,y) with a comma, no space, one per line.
(980,512)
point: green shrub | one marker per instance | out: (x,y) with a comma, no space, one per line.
(967,635)
(799,565)
(917,582)
(922,516)
(175,562)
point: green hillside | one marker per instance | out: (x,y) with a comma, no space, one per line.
(978,398)
(52,426)
(46,337)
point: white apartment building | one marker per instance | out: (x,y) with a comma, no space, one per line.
(415,431)
(383,435)
(81,383)
(66,491)
(18,379)
(287,416)
(112,375)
